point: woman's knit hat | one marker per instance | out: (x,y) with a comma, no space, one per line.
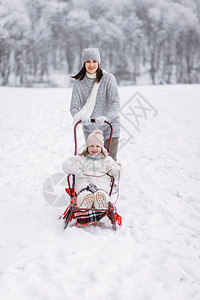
(96,137)
(91,53)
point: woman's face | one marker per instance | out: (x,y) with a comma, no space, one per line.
(94,150)
(91,66)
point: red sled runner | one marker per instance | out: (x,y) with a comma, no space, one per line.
(87,216)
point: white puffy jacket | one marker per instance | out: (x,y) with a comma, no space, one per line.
(87,167)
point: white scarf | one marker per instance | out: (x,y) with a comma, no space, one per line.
(88,108)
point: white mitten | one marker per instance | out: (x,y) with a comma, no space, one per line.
(85,120)
(100,120)
(115,168)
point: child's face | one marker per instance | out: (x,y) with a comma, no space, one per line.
(94,150)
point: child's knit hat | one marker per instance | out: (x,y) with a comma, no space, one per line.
(96,137)
(91,53)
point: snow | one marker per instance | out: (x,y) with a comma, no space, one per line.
(154,255)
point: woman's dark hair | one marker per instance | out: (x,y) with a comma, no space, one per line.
(82,72)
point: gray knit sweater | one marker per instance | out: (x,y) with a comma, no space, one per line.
(107,103)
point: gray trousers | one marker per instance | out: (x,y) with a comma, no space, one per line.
(113,148)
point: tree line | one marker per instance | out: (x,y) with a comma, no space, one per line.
(159,39)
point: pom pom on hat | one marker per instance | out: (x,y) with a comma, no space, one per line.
(91,53)
(96,137)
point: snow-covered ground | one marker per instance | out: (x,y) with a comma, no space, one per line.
(155,255)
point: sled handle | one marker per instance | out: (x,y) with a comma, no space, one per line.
(92,121)
(69,185)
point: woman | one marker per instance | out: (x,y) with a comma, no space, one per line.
(95,96)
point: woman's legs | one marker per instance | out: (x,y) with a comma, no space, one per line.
(113,148)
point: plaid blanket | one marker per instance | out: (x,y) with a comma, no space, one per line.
(85,217)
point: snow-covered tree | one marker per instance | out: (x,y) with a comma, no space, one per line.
(160,38)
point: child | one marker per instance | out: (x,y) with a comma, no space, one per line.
(93,170)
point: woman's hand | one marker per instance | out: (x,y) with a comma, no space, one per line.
(100,120)
(85,120)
